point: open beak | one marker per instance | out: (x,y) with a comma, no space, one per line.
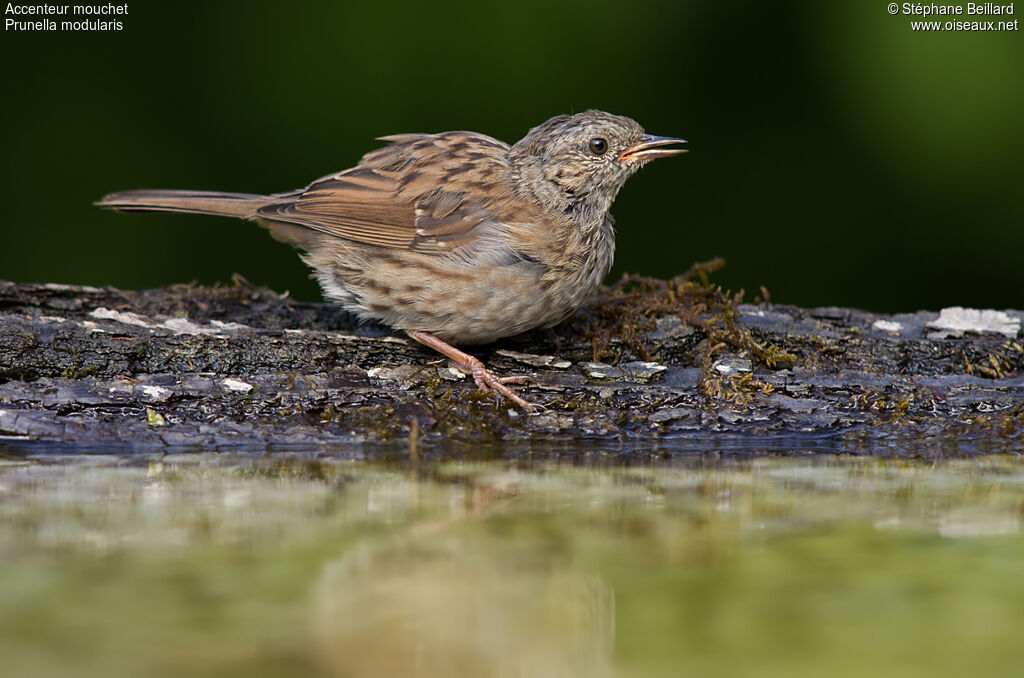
(651,147)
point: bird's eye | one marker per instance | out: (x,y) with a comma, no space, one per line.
(598,146)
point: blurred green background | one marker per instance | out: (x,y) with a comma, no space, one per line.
(837,157)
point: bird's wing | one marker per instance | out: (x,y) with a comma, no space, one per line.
(427,192)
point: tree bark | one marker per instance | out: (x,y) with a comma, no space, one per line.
(666,365)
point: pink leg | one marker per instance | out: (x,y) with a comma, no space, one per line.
(481,375)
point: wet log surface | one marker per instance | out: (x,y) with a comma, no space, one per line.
(649,362)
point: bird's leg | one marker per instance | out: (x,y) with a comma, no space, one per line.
(481,375)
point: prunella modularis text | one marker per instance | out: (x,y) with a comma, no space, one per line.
(455,238)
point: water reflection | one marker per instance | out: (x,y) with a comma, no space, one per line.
(271,565)
(452,607)
(454,595)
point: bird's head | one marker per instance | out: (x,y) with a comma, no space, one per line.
(583,160)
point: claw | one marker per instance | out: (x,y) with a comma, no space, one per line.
(486,381)
(482,377)
(518,379)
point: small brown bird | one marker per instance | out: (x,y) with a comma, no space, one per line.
(455,237)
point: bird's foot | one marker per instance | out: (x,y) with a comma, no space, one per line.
(484,378)
(486,381)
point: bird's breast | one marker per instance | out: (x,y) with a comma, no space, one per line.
(472,296)
(585,261)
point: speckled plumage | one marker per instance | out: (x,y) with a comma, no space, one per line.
(456,235)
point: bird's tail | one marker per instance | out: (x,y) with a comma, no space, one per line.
(241,205)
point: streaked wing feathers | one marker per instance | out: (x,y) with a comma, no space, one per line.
(423,191)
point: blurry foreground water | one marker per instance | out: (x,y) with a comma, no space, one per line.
(290,564)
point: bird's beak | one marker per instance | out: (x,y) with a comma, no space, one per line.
(651,147)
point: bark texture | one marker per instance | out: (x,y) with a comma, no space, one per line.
(653,363)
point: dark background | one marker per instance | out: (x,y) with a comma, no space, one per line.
(837,157)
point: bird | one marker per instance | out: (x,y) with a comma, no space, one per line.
(455,238)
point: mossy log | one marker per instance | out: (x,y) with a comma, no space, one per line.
(662,364)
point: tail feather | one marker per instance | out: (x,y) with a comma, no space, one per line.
(241,205)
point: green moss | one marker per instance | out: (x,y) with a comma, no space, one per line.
(738,389)
(997,364)
(76,371)
(627,312)
(154,418)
